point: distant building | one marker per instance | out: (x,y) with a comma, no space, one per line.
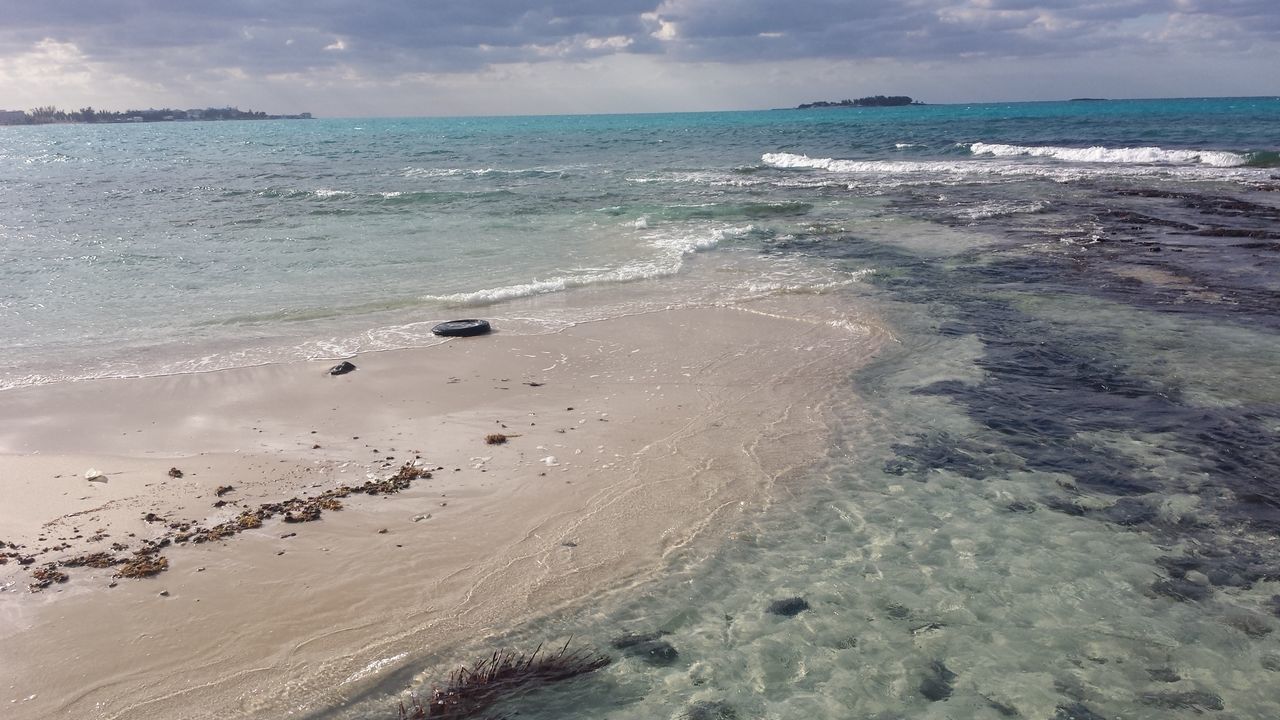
(12,117)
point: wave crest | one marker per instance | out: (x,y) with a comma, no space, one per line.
(670,259)
(1099,154)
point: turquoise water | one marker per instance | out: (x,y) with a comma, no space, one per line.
(138,249)
(1055,497)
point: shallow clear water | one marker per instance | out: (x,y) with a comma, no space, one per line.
(1055,497)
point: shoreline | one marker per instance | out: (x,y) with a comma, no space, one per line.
(629,439)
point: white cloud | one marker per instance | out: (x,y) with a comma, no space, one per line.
(618,55)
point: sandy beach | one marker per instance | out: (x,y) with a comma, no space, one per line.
(626,439)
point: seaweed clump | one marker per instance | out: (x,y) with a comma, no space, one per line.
(46,575)
(147,561)
(470,692)
(143,564)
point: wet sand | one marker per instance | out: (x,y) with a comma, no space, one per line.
(629,438)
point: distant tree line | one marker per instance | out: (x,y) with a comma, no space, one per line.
(873,101)
(48,114)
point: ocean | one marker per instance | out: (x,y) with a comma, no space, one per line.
(1056,495)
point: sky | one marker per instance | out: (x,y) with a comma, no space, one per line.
(338,58)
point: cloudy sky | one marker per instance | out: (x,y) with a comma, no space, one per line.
(462,57)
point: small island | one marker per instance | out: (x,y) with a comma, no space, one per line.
(48,115)
(873,101)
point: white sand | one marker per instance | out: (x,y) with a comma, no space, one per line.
(648,433)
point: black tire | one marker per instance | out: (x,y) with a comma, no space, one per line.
(341,368)
(462,328)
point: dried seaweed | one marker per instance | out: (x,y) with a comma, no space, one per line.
(146,562)
(46,575)
(470,692)
(143,565)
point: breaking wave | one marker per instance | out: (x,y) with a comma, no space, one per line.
(668,260)
(1099,154)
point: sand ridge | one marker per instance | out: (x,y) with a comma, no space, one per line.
(629,438)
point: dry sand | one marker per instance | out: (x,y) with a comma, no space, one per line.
(630,438)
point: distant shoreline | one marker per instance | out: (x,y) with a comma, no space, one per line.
(872,101)
(50,115)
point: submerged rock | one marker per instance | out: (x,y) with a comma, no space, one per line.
(710,710)
(649,647)
(788,607)
(1182,589)
(1163,675)
(1005,709)
(937,683)
(1196,700)
(1129,512)
(1076,711)
(1249,623)
(622,642)
(654,652)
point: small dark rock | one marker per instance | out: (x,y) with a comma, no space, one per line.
(1019,506)
(1271,662)
(341,368)
(654,652)
(175,472)
(788,607)
(622,642)
(1163,675)
(897,611)
(1065,506)
(937,683)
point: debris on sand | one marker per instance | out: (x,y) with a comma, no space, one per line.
(175,472)
(147,561)
(144,564)
(46,575)
(342,368)
(495,439)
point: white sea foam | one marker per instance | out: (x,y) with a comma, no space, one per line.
(1129,155)
(374,667)
(480,172)
(893,173)
(997,208)
(667,261)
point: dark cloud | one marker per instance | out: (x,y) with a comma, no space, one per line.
(387,37)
